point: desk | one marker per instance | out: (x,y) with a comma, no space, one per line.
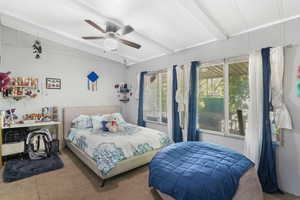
(50,125)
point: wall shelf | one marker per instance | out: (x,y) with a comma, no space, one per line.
(17,97)
(20,88)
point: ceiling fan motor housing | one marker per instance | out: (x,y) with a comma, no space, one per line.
(111,43)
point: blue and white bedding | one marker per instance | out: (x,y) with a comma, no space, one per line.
(107,149)
(198,171)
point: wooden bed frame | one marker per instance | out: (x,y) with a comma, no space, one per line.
(69,113)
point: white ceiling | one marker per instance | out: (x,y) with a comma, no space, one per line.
(162,26)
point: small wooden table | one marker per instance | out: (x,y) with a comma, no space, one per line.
(51,124)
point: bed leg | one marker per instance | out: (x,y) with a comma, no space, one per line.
(102,183)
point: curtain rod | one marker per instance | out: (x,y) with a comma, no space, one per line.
(242,56)
(157,71)
(222,60)
(290,45)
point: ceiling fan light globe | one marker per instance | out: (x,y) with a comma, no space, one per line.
(111,44)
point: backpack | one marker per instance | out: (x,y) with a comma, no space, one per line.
(39,144)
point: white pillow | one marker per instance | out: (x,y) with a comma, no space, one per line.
(119,118)
(97,120)
(82,121)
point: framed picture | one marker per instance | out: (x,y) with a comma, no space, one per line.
(53,83)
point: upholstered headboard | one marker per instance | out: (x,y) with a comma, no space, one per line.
(69,113)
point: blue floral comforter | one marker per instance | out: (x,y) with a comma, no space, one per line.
(107,149)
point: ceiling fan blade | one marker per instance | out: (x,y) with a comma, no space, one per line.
(125,30)
(92,37)
(111,27)
(131,44)
(93,24)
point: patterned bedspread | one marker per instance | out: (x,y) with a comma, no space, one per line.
(107,149)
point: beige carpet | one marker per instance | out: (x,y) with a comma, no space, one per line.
(77,182)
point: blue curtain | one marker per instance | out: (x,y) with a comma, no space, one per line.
(193,134)
(140,120)
(267,165)
(176,129)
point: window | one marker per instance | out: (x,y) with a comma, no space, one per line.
(155,97)
(223,94)
(211,98)
(238,97)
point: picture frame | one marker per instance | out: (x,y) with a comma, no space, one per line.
(53,83)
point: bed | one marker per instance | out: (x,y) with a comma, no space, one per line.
(196,171)
(84,143)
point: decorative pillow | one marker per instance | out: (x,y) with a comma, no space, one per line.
(119,118)
(82,121)
(97,121)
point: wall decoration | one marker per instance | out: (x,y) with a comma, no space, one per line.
(92,81)
(21,87)
(53,83)
(298,82)
(123,90)
(37,49)
(4,80)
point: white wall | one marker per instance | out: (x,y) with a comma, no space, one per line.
(57,61)
(288,156)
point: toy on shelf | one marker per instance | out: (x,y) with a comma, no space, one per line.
(33,117)
(21,87)
(10,117)
(48,114)
(123,90)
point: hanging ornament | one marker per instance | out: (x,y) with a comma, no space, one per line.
(92,81)
(37,49)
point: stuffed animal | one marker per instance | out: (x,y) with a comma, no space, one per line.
(112,125)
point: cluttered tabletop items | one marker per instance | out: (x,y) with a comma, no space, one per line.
(48,115)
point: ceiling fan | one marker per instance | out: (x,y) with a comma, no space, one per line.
(113,34)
